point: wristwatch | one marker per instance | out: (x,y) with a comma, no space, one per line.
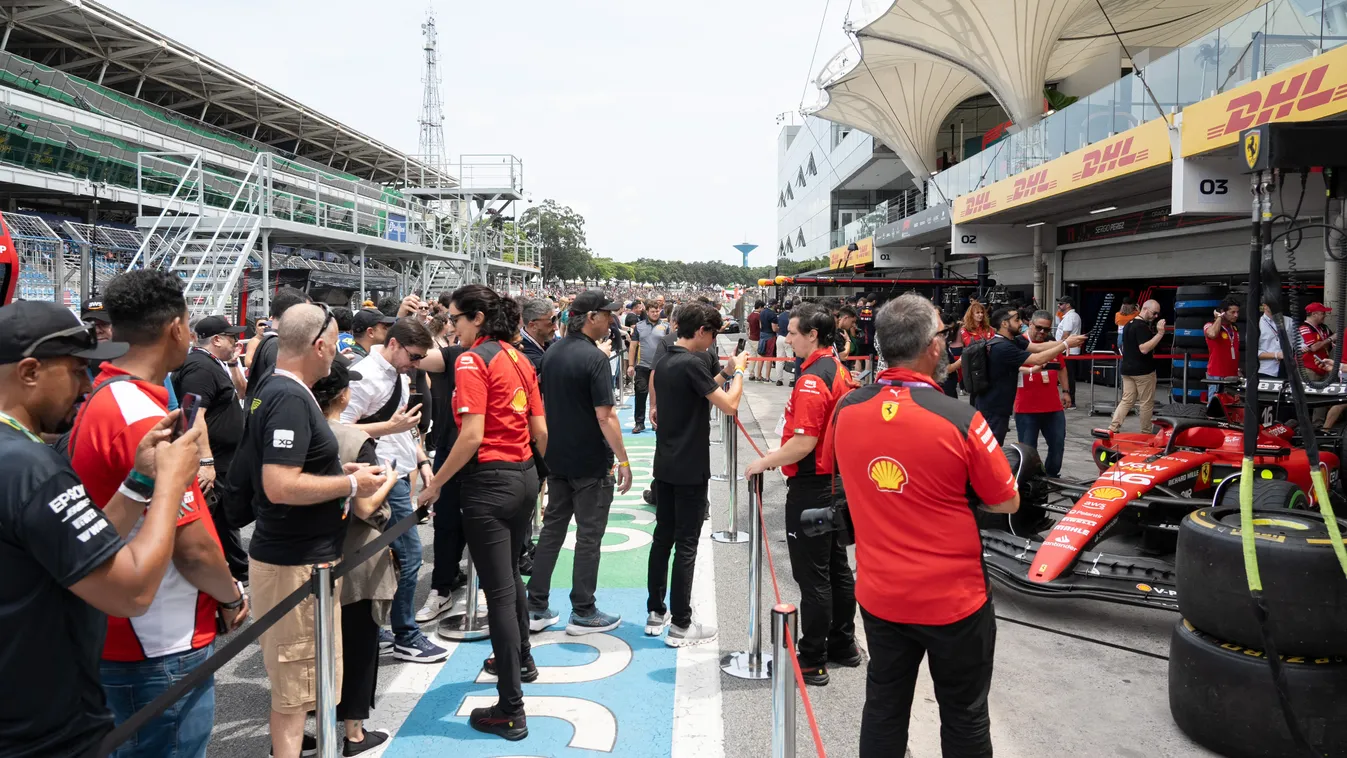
(236,604)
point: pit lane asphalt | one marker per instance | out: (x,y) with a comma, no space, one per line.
(1051,695)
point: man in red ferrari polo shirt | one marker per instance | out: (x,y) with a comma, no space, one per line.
(144,656)
(1317,339)
(819,564)
(916,463)
(1222,344)
(1041,398)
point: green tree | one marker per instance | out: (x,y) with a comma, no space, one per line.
(561,234)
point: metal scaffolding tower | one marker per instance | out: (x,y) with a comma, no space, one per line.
(431,144)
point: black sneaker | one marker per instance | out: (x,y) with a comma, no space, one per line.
(639,428)
(372,740)
(308,748)
(528,670)
(780,383)
(492,721)
(815,675)
(851,658)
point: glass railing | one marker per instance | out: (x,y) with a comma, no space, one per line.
(1279,34)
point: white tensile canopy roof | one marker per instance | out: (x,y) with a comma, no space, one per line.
(923,57)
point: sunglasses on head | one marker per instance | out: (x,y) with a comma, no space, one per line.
(327,319)
(86,331)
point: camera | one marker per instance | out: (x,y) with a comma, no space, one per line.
(816,522)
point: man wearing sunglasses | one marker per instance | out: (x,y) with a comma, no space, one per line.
(539,329)
(1041,399)
(380,408)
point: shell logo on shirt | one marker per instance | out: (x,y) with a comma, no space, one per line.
(519,401)
(887,474)
(888,410)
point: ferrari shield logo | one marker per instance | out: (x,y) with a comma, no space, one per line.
(889,409)
(1253,142)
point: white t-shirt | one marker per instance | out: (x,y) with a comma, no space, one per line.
(1068,326)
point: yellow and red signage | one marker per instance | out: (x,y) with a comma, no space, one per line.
(1307,91)
(864,253)
(1134,150)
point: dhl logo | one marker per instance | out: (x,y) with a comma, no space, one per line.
(979,203)
(1034,184)
(1302,92)
(1116,154)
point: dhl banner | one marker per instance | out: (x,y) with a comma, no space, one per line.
(863,254)
(1307,91)
(1134,150)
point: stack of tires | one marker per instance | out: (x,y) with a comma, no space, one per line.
(1194,306)
(1221,688)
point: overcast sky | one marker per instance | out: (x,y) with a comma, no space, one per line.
(655,121)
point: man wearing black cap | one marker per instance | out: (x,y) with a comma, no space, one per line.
(212,371)
(577,388)
(369,327)
(64,563)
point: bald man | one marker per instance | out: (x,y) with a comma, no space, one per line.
(1139,339)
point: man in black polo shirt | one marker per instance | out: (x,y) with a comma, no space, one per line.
(685,388)
(1140,338)
(577,387)
(1007,351)
(212,371)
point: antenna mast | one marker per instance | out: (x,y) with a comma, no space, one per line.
(431,144)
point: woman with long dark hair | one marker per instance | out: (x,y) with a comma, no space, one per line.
(499,414)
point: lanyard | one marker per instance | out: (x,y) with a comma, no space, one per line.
(297,380)
(208,354)
(1232,336)
(13,423)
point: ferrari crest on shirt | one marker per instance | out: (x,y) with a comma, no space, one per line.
(519,401)
(889,409)
(887,474)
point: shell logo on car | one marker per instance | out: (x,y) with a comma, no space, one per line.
(1107,493)
(887,474)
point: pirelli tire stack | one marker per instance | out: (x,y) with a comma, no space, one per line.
(1194,305)
(1222,692)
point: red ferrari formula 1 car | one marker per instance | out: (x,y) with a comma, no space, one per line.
(1114,538)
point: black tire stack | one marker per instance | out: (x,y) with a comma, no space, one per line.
(1193,307)
(1221,689)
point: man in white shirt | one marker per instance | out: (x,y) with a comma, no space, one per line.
(1067,326)
(379,407)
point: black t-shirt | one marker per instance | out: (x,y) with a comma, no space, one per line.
(1003,366)
(683,438)
(577,378)
(51,537)
(288,429)
(201,374)
(1135,362)
(263,363)
(630,320)
(441,391)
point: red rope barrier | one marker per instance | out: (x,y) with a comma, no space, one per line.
(776,590)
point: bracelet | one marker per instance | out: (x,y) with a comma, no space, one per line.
(423,463)
(140,478)
(131,494)
(207,462)
(232,364)
(624,464)
(355,486)
(139,488)
(236,604)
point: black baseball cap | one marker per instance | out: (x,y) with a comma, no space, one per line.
(594,300)
(213,325)
(36,329)
(1067,300)
(338,378)
(369,317)
(95,311)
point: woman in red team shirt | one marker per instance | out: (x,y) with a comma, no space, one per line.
(499,412)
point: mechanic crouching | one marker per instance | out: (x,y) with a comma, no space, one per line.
(915,462)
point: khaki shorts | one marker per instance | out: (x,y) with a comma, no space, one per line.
(288,648)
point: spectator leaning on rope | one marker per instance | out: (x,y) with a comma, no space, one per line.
(916,463)
(66,568)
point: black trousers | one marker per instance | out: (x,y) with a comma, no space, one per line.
(1074,371)
(360,661)
(961,668)
(820,567)
(497,504)
(445,576)
(642,391)
(680,510)
(236,555)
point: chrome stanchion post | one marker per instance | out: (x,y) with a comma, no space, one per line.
(733,477)
(717,425)
(467,626)
(325,710)
(783,681)
(752,664)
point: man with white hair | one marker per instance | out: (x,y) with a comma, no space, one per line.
(538,329)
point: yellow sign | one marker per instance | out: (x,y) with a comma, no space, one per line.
(889,409)
(1307,91)
(840,257)
(1252,142)
(1134,150)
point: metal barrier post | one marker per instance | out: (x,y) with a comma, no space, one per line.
(471,625)
(752,664)
(731,473)
(783,681)
(717,425)
(325,710)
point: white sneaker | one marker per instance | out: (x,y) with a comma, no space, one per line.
(436,605)
(655,623)
(695,633)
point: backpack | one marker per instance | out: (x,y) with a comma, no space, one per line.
(976,366)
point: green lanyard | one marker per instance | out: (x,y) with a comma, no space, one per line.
(9,421)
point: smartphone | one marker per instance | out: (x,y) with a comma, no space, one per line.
(415,399)
(743,342)
(187,407)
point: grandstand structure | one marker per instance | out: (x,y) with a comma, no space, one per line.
(121,148)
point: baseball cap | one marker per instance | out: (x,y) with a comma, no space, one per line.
(1066,299)
(1318,308)
(213,325)
(94,311)
(369,317)
(34,329)
(338,378)
(593,300)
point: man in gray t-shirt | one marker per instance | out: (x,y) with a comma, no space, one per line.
(646,337)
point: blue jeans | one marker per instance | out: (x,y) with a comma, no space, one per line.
(407,549)
(1053,427)
(183,730)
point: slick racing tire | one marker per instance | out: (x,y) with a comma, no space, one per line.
(1029,477)
(1199,300)
(1222,696)
(1188,333)
(1304,589)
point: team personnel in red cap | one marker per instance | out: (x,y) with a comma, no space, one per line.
(1317,339)
(916,464)
(1222,344)
(819,564)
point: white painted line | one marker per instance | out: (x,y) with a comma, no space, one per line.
(614,656)
(408,685)
(594,725)
(699,725)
